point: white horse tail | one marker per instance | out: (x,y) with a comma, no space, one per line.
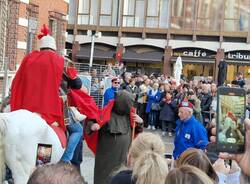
(2,155)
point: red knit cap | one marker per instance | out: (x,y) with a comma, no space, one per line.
(186,104)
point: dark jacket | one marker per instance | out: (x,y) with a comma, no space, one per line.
(222,74)
(133,90)
(206,100)
(123,177)
(167,112)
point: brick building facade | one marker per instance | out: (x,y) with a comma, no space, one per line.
(22,20)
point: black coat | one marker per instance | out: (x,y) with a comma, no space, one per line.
(168,112)
(123,177)
(222,74)
(206,100)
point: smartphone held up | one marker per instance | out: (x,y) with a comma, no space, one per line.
(231,108)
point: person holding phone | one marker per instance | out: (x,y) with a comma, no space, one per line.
(243,159)
(190,133)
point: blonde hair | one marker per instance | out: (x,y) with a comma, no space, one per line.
(187,174)
(146,156)
(146,142)
(150,168)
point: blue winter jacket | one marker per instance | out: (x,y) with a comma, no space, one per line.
(109,95)
(189,134)
(152,99)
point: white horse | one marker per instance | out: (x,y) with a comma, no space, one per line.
(20,133)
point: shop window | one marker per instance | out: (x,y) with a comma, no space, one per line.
(245,70)
(231,72)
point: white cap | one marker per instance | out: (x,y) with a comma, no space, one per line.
(48,42)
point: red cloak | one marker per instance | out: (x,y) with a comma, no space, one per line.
(87,106)
(36,86)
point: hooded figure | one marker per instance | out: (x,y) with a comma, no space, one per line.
(114,139)
(222,73)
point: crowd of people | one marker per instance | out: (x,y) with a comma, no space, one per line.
(123,154)
(157,97)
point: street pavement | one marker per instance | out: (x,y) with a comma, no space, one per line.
(87,167)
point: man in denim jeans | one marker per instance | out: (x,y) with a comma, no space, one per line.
(75,134)
(74,126)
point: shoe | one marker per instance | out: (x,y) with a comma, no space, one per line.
(163,134)
(170,134)
(153,128)
(149,127)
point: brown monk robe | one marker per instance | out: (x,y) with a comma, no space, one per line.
(114,139)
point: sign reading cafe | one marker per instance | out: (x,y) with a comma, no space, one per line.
(193,52)
(239,55)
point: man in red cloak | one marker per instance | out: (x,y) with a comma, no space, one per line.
(37,81)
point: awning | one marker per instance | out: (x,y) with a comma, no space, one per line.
(84,53)
(188,60)
(146,57)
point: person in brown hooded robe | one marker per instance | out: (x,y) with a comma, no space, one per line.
(114,138)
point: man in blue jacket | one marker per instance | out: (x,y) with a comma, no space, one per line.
(110,92)
(190,133)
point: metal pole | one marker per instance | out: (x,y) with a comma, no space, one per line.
(92,50)
(5,77)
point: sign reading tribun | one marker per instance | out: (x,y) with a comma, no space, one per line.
(239,55)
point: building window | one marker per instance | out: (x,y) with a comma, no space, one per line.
(209,15)
(153,13)
(33,12)
(53,27)
(164,14)
(183,14)
(109,14)
(157,13)
(87,12)
(57,25)
(133,13)
(72,11)
(237,15)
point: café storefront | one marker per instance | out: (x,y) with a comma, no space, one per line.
(196,61)
(237,61)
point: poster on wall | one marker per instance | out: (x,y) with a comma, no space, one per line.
(86,81)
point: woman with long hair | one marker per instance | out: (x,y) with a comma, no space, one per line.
(145,162)
(199,159)
(187,174)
